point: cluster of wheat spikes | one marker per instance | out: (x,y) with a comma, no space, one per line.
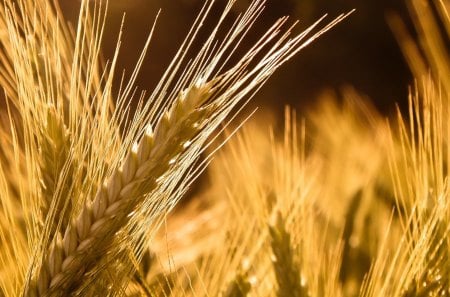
(85,182)
(344,203)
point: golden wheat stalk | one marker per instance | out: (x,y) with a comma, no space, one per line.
(91,233)
(53,80)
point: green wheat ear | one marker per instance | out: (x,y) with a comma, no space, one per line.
(287,271)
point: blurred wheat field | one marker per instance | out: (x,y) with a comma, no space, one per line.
(342,202)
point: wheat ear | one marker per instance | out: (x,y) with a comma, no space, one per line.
(287,271)
(88,236)
(54,153)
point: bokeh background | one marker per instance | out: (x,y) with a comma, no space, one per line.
(361,52)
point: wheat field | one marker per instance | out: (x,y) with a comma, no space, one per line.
(95,184)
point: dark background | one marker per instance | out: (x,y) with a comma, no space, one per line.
(361,51)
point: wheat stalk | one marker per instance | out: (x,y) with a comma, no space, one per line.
(52,84)
(99,220)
